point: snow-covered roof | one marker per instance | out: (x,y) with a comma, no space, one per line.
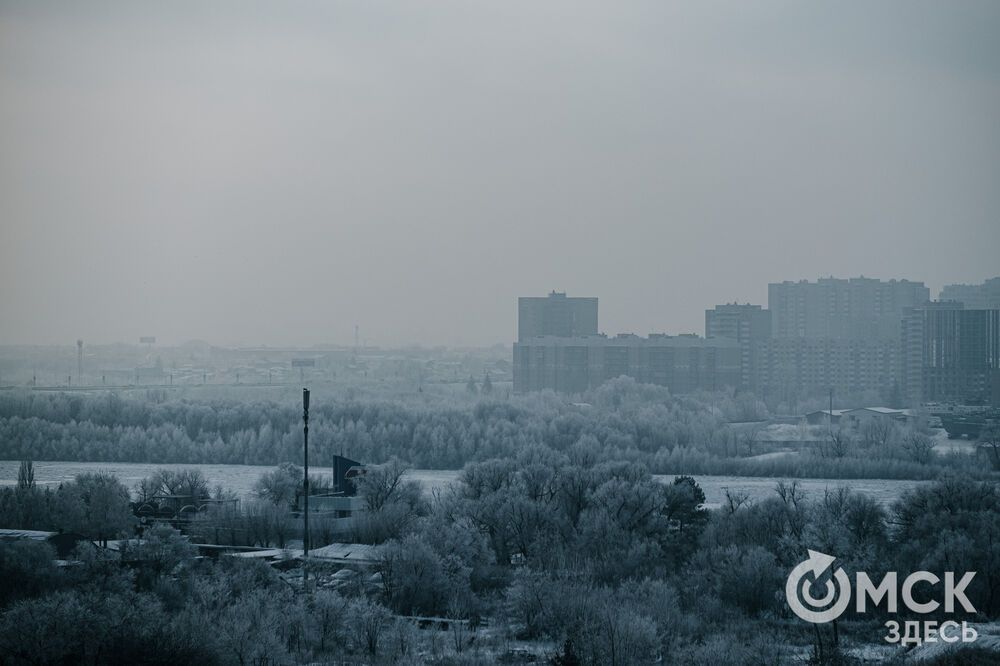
(120,544)
(880,410)
(345,551)
(253,554)
(37,535)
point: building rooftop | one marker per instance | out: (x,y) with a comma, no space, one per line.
(626,339)
(879,410)
(36,535)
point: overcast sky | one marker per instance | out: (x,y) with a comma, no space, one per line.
(275,173)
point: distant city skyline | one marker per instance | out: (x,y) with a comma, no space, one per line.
(885,340)
(366,339)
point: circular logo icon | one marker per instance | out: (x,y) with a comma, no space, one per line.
(831,604)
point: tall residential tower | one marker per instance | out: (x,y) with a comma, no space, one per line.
(855,309)
(556,315)
(985,296)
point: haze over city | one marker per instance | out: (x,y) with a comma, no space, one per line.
(280,174)
(463,333)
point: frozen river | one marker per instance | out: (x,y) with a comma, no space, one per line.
(241,478)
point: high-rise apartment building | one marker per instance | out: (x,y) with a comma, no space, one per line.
(746,324)
(985,296)
(858,337)
(840,334)
(857,308)
(794,368)
(951,354)
(739,322)
(556,315)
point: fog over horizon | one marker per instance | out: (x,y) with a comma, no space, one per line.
(251,173)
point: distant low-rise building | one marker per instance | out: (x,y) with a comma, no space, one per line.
(857,415)
(825,416)
(63,543)
(862,414)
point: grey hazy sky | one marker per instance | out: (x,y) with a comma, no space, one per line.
(278,172)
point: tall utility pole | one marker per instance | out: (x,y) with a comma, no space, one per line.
(305,483)
(831,413)
(79,362)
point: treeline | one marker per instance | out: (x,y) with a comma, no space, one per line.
(618,569)
(621,420)
(168,608)
(94,505)
(99,507)
(584,562)
(814,465)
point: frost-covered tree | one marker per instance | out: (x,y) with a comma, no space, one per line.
(280,486)
(26,475)
(97,505)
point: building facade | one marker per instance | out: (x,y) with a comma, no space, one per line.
(840,334)
(740,322)
(951,354)
(791,368)
(556,315)
(858,336)
(855,308)
(746,324)
(985,296)
(683,363)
